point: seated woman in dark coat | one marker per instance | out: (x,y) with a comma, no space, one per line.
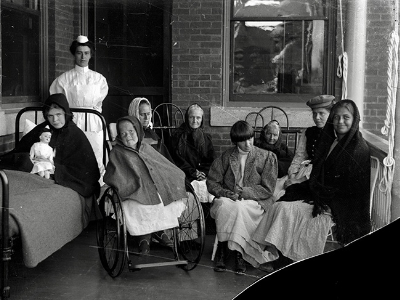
(75,162)
(151,187)
(271,139)
(339,186)
(193,150)
(140,107)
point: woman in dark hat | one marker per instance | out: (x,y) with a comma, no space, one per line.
(84,88)
(301,166)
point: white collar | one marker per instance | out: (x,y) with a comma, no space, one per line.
(81,69)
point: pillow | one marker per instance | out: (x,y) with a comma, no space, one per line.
(29,125)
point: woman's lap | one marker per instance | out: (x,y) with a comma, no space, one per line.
(235,223)
(290,227)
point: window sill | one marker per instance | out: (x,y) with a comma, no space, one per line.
(12,108)
(221,116)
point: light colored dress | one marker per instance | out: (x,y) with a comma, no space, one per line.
(85,88)
(291,228)
(236,221)
(42,156)
(144,219)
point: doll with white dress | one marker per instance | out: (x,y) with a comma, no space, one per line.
(42,155)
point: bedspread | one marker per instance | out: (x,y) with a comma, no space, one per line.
(44,214)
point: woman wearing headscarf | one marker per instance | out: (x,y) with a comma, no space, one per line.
(193,150)
(151,187)
(271,139)
(84,88)
(140,107)
(339,186)
(74,160)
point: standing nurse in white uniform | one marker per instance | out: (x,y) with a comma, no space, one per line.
(84,88)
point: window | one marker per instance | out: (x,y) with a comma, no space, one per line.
(20,31)
(280,50)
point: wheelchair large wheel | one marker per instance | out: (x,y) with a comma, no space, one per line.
(191,231)
(111,233)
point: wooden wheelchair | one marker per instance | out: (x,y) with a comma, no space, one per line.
(112,237)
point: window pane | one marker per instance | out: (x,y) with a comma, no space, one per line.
(279,8)
(129,42)
(278,57)
(20,53)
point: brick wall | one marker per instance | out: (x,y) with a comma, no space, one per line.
(197,60)
(379,27)
(63,18)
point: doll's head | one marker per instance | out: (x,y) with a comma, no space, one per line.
(45,135)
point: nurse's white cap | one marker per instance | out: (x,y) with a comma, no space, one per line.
(82,39)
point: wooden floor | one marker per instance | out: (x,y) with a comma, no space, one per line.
(75,272)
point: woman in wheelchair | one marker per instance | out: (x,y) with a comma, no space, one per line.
(152,188)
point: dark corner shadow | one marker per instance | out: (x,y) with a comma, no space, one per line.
(364,269)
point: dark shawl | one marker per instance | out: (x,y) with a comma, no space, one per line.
(192,148)
(75,162)
(149,133)
(281,150)
(138,174)
(340,181)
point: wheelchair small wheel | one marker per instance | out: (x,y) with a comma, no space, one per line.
(111,233)
(191,233)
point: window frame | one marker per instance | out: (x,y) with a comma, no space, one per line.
(8,102)
(292,100)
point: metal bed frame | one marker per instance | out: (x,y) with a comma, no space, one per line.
(7,241)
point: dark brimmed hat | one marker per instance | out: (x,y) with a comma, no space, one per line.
(321,101)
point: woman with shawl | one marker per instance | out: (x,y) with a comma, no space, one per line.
(151,187)
(74,160)
(338,190)
(271,139)
(242,179)
(140,107)
(193,150)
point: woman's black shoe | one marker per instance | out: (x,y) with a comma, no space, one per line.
(240,264)
(220,257)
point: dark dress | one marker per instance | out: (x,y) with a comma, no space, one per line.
(149,133)
(282,152)
(192,149)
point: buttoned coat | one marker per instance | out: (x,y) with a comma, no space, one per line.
(260,175)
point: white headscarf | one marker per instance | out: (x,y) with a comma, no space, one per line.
(134,108)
